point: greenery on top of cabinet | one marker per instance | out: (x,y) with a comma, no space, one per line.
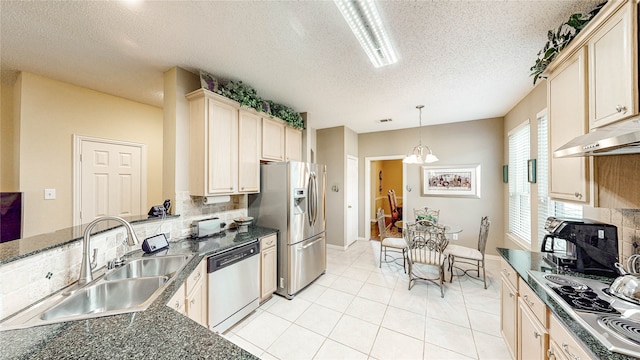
(561,37)
(248,96)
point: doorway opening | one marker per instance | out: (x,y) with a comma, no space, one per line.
(382,174)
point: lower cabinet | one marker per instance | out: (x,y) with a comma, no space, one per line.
(268,266)
(177,301)
(532,336)
(191,297)
(508,315)
(562,345)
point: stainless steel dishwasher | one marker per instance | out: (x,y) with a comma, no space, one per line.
(234,285)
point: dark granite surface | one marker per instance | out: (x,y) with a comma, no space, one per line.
(523,261)
(18,249)
(156,333)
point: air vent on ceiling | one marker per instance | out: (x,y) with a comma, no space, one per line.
(386,120)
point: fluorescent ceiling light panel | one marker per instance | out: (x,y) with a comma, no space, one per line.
(364,20)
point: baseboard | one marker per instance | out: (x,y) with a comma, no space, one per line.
(338,247)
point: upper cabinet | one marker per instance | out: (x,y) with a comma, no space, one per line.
(613,68)
(213,145)
(293,144)
(227,143)
(249,126)
(593,82)
(567,104)
(273,131)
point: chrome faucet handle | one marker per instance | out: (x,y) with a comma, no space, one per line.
(114,263)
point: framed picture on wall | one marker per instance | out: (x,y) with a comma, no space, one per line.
(451,180)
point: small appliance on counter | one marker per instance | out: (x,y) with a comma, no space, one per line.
(207,227)
(581,245)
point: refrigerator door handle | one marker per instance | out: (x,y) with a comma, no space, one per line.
(309,200)
(314,197)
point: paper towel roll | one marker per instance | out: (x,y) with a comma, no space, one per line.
(208,200)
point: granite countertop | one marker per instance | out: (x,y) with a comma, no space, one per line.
(158,332)
(522,261)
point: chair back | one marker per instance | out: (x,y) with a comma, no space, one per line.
(425,213)
(484,234)
(426,242)
(396,213)
(381,225)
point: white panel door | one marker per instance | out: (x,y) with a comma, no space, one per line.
(110,180)
(352,199)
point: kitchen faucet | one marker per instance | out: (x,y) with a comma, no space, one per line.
(86,276)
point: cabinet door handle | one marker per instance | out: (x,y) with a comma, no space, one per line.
(550,354)
(511,295)
(565,347)
(529,302)
(197,276)
(506,272)
(621,108)
(193,301)
(536,334)
(578,195)
(177,304)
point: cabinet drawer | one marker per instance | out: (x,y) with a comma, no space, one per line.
(196,276)
(268,242)
(533,302)
(569,347)
(509,274)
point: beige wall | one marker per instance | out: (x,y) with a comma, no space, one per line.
(8,161)
(331,152)
(334,145)
(527,109)
(50,113)
(471,142)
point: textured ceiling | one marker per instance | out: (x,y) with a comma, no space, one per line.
(464,60)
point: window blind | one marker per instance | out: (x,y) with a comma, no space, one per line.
(519,199)
(546,206)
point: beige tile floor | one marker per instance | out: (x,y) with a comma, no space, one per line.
(360,311)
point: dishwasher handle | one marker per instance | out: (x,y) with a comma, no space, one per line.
(220,261)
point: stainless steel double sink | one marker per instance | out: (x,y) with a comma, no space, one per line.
(129,288)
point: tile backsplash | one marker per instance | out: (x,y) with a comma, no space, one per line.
(628,223)
(27,280)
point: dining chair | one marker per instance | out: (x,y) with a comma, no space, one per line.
(426,244)
(472,256)
(396,211)
(388,241)
(426,213)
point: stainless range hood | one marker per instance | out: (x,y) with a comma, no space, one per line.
(616,139)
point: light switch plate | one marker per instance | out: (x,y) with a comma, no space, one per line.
(49,194)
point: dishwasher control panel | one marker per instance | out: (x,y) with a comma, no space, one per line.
(230,257)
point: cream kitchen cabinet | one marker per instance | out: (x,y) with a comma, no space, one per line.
(249,130)
(509,307)
(562,345)
(268,266)
(191,298)
(613,68)
(196,294)
(273,139)
(533,337)
(569,178)
(213,145)
(177,301)
(293,144)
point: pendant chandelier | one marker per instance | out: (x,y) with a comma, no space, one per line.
(420,154)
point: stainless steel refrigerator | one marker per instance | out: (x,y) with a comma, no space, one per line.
(292,200)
